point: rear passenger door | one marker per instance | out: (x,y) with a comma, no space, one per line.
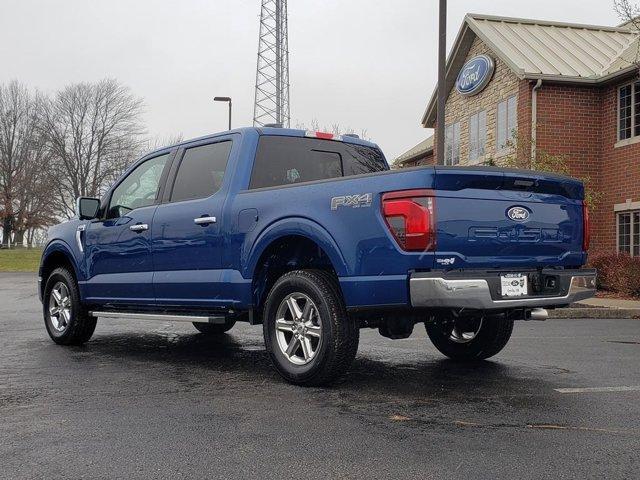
(186,239)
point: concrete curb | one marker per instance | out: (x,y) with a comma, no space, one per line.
(594,312)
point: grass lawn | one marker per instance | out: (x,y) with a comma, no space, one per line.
(20,260)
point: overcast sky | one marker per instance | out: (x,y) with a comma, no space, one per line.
(365,64)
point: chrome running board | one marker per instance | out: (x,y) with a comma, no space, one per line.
(160,317)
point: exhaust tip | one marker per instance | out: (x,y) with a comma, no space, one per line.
(538,314)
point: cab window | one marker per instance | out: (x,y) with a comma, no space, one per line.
(201,171)
(286,160)
(139,189)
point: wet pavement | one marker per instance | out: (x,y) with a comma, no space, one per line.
(156,400)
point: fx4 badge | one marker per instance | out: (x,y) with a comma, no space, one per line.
(353,201)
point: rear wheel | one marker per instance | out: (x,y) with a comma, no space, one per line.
(66,320)
(215,328)
(470,338)
(307,332)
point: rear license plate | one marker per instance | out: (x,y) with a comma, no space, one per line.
(513,285)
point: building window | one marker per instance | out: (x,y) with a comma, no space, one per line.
(624,112)
(629,233)
(629,111)
(477,136)
(452,144)
(506,123)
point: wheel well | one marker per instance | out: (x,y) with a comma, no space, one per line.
(55,260)
(293,252)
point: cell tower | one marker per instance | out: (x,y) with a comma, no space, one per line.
(272,75)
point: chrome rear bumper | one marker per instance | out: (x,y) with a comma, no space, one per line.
(437,290)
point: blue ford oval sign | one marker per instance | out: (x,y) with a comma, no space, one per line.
(475,75)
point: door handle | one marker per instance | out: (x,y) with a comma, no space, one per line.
(79,231)
(204,220)
(140,227)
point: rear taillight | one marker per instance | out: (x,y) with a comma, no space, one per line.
(586,227)
(410,216)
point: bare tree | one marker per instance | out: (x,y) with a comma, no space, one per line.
(629,13)
(93,132)
(24,191)
(156,143)
(34,197)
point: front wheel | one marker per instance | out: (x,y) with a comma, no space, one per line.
(307,332)
(470,338)
(66,320)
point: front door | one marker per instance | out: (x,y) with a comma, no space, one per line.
(118,247)
(187,238)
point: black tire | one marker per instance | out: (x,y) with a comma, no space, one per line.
(339,335)
(493,334)
(215,328)
(80,325)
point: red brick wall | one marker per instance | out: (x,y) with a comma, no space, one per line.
(570,125)
(570,120)
(524,113)
(581,123)
(620,169)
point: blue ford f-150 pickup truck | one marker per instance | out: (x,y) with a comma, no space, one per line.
(312,236)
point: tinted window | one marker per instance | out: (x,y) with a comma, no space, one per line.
(139,188)
(201,171)
(287,160)
(452,144)
(506,123)
(358,159)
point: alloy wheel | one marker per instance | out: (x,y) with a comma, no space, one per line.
(298,328)
(60,307)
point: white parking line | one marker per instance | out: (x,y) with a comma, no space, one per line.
(634,388)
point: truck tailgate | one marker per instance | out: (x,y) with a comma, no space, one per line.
(497,218)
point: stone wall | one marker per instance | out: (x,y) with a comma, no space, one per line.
(503,85)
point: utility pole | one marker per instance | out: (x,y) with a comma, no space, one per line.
(442,94)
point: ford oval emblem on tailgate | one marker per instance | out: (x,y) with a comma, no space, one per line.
(518,214)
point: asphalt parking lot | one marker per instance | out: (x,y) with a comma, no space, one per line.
(155,400)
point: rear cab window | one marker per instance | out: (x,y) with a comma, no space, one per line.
(288,160)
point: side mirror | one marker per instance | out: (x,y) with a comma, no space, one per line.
(87,208)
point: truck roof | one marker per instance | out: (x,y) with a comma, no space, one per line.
(275,131)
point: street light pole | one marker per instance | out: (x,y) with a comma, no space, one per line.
(442,58)
(228,100)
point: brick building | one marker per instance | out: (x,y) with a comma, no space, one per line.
(559,89)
